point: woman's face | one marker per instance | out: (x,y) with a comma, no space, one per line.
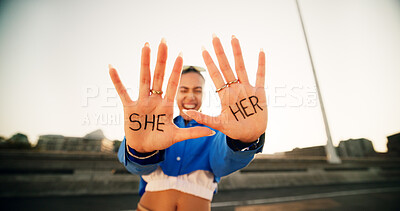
(190,93)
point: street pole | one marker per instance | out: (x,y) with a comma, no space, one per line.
(332,157)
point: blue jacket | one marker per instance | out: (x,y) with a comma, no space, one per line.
(218,154)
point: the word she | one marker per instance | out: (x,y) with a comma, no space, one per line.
(147,121)
(243,110)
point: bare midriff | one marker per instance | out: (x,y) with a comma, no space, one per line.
(169,200)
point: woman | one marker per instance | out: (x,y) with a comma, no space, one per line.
(181,160)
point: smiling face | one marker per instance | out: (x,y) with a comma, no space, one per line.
(190,93)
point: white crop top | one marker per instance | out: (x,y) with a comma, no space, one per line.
(199,183)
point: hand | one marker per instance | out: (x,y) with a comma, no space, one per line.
(148,122)
(244,107)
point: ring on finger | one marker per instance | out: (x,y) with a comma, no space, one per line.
(223,87)
(227,85)
(232,82)
(156,92)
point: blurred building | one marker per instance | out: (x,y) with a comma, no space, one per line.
(393,145)
(356,148)
(17,141)
(117,143)
(93,142)
(308,151)
(348,148)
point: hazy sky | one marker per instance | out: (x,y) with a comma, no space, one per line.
(54,56)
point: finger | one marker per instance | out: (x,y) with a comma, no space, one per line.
(160,66)
(239,63)
(173,81)
(121,90)
(145,78)
(182,134)
(213,122)
(212,69)
(222,60)
(260,81)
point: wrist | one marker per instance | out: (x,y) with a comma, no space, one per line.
(141,151)
(150,158)
(238,145)
(248,140)
(137,149)
(141,156)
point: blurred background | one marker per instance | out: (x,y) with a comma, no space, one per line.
(61,120)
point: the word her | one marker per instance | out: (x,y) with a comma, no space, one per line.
(244,112)
(153,122)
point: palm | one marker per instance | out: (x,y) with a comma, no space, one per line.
(244,112)
(244,109)
(148,122)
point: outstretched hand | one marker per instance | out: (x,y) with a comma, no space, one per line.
(244,107)
(148,122)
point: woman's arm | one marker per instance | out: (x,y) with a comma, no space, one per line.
(139,166)
(228,155)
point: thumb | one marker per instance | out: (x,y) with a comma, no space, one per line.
(182,134)
(213,122)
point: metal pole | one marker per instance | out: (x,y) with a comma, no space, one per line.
(329,148)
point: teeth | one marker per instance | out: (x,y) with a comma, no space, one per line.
(189,106)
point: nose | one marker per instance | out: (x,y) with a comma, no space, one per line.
(191,95)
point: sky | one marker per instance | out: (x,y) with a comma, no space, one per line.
(54,57)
